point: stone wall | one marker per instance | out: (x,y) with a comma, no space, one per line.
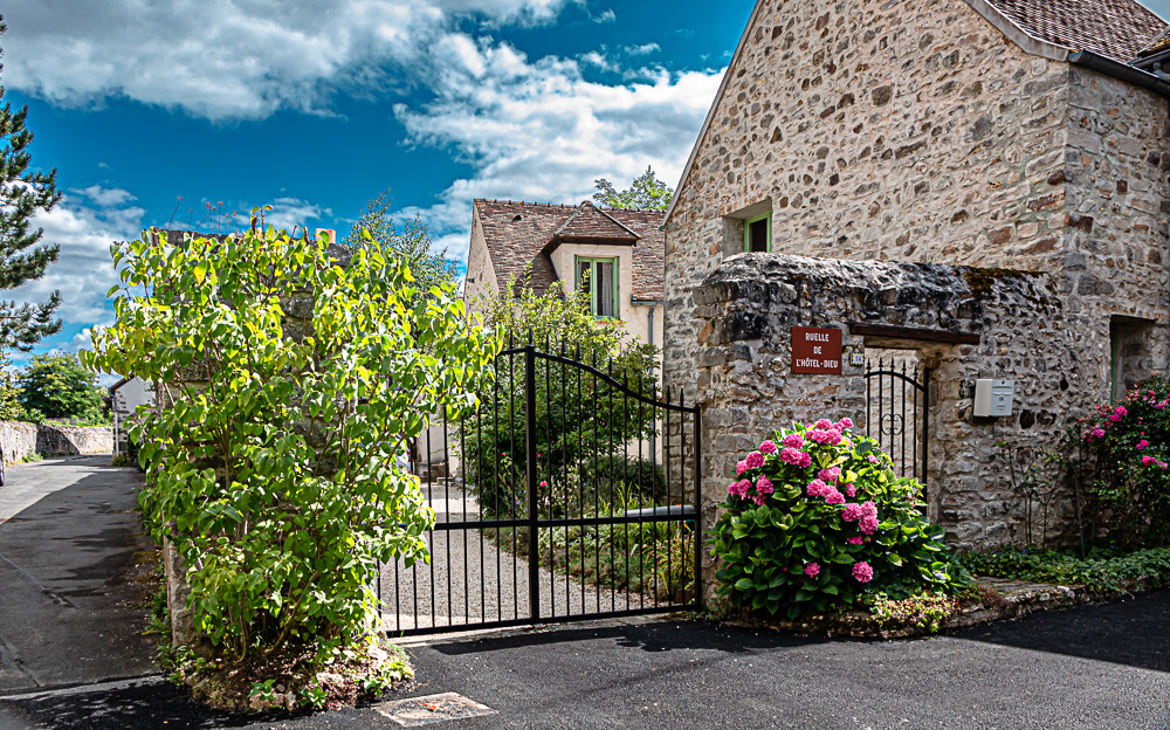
(73,440)
(18,440)
(748,306)
(924,136)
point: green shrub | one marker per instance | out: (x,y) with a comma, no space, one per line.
(579,417)
(278,477)
(1127,468)
(642,478)
(818,519)
(1102,571)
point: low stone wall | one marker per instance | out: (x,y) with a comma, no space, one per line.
(745,384)
(18,440)
(74,440)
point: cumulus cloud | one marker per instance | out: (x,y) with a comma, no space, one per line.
(232,59)
(85,223)
(644,49)
(541,131)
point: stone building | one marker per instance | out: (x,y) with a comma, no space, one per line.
(980,186)
(614,254)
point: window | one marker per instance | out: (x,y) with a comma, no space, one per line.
(597,278)
(757,234)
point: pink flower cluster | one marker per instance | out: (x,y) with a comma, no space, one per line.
(768,447)
(863,572)
(865,515)
(831,474)
(812,570)
(796,457)
(1151,460)
(743,489)
(825,437)
(754,460)
(794,441)
(818,488)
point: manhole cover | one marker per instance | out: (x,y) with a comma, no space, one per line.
(416,711)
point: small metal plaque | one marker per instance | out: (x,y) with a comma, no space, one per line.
(417,711)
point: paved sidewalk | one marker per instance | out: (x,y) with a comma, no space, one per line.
(68,536)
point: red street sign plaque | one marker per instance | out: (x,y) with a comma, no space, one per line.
(816,350)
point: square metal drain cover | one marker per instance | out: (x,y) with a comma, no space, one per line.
(416,711)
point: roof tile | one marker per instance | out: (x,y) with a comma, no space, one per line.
(1119,29)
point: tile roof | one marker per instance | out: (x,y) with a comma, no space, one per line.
(1159,44)
(518,235)
(1119,29)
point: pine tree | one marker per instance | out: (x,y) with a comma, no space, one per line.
(22,193)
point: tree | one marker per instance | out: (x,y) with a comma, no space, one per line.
(410,241)
(58,386)
(293,382)
(23,193)
(646,193)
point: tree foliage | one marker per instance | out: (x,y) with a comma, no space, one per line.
(581,420)
(646,193)
(410,241)
(58,386)
(275,465)
(23,192)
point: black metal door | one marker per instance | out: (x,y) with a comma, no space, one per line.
(897,414)
(568,495)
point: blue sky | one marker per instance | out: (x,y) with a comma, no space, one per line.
(316,106)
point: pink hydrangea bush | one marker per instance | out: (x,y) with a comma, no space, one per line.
(816,520)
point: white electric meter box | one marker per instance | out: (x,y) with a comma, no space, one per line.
(993,398)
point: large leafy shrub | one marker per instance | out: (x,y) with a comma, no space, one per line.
(276,463)
(1126,465)
(580,419)
(817,518)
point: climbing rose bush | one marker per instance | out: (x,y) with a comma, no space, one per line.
(816,518)
(1128,445)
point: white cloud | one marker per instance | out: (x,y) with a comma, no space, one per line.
(605,16)
(644,49)
(541,131)
(290,213)
(84,224)
(231,59)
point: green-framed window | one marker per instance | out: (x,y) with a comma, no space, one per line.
(598,279)
(757,234)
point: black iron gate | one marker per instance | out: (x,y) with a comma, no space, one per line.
(570,494)
(897,413)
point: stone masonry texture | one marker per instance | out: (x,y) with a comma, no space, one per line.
(922,135)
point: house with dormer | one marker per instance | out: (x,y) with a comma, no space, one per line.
(614,256)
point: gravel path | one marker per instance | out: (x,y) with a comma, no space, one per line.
(471,581)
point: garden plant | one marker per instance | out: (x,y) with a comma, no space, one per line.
(294,379)
(816,521)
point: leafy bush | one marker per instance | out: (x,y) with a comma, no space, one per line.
(817,519)
(579,418)
(641,476)
(1126,468)
(275,469)
(1101,572)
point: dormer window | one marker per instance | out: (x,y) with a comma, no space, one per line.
(597,278)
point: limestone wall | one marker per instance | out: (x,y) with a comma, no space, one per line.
(72,440)
(915,136)
(748,306)
(18,440)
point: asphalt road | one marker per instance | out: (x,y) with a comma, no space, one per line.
(64,620)
(68,537)
(1096,667)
